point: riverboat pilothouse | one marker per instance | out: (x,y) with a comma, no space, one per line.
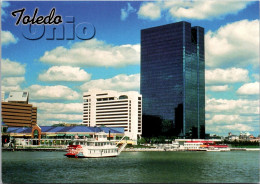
(96,147)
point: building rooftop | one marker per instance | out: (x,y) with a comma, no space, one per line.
(59,129)
(3,124)
(19,130)
(19,97)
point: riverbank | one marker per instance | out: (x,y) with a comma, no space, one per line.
(125,150)
(34,149)
(155,149)
(244,149)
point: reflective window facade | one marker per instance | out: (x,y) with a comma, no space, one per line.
(173,76)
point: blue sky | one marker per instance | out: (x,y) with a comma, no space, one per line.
(58,72)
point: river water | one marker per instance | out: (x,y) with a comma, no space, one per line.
(132,167)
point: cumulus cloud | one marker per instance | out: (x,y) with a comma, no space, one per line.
(50,122)
(222,76)
(54,113)
(218,88)
(11,68)
(12,81)
(224,129)
(224,115)
(230,123)
(126,11)
(220,119)
(67,117)
(94,53)
(235,44)
(249,89)
(58,92)
(240,106)
(149,11)
(182,9)
(59,107)
(11,88)
(4,4)
(7,38)
(239,127)
(120,82)
(12,72)
(204,9)
(65,73)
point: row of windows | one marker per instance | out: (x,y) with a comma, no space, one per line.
(104,99)
(121,117)
(109,111)
(119,108)
(113,121)
(123,104)
(116,124)
(111,102)
(98,115)
(101,94)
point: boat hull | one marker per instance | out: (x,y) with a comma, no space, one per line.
(96,156)
(91,156)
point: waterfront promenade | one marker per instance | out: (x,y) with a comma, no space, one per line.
(156,149)
(125,150)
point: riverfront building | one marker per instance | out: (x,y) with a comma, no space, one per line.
(114,109)
(173,76)
(62,132)
(17,112)
(56,135)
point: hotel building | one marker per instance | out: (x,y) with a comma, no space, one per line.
(17,112)
(114,109)
(173,76)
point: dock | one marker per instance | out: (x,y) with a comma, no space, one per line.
(34,149)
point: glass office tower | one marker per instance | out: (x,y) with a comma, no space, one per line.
(173,76)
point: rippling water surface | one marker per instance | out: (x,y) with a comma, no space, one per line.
(132,167)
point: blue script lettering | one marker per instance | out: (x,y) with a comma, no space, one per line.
(84,31)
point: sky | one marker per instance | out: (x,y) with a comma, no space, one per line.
(57,72)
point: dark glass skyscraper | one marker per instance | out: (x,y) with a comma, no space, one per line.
(173,76)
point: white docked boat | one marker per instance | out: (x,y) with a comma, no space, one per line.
(204,146)
(97,147)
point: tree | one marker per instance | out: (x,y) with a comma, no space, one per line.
(141,141)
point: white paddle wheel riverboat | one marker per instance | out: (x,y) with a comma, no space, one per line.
(97,147)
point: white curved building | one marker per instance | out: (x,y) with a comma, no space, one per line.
(114,109)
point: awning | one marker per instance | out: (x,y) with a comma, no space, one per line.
(51,135)
(60,134)
(84,135)
(20,135)
(70,134)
